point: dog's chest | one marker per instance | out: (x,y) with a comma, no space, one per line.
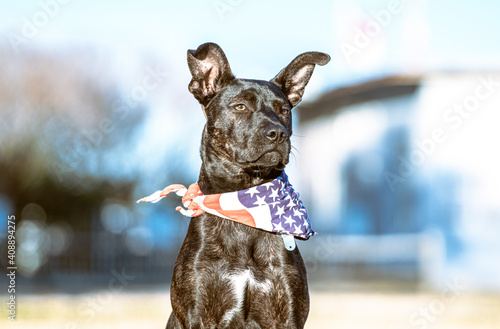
(240,281)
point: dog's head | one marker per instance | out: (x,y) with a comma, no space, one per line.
(249,122)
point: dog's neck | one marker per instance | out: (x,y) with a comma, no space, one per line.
(218,174)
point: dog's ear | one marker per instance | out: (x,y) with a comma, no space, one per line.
(210,70)
(293,79)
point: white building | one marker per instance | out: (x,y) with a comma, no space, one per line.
(413,157)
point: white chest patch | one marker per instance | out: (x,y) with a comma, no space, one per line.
(239,281)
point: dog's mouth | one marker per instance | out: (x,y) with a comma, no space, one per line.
(269,160)
(272,159)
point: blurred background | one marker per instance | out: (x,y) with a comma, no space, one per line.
(394,154)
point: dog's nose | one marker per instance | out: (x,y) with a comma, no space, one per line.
(275,133)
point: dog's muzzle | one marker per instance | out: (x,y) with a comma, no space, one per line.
(269,149)
(275,134)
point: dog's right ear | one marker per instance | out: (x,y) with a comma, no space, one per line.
(293,79)
(210,70)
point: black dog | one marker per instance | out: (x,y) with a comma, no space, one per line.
(229,275)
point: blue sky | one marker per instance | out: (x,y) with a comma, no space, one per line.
(259,36)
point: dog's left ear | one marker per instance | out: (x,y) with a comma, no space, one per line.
(293,79)
(210,70)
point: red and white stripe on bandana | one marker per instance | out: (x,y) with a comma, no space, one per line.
(273,206)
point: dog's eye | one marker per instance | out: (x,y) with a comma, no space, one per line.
(240,107)
(284,111)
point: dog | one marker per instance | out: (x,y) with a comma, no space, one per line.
(229,275)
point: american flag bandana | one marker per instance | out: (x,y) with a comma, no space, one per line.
(273,206)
